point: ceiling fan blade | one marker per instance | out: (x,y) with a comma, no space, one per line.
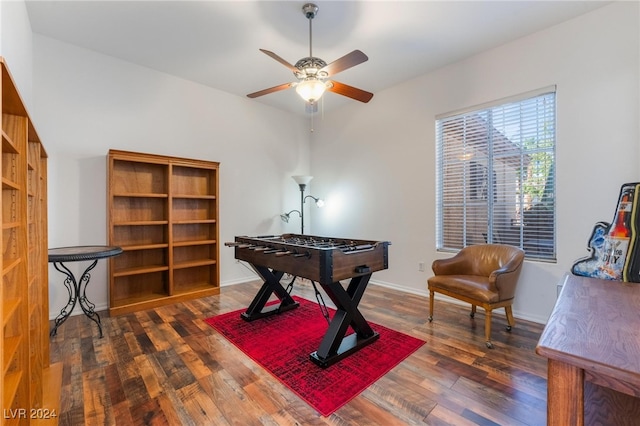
(350,92)
(279,59)
(347,61)
(270,90)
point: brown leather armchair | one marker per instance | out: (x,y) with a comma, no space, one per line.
(484,275)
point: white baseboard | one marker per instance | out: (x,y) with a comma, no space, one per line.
(424,293)
(438,296)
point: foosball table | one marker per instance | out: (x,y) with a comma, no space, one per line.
(326,261)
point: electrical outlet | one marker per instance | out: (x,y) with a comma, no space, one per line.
(421,266)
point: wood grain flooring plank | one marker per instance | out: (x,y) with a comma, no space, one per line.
(120,348)
(154,317)
(441,416)
(464,405)
(120,324)
(114,385)
(145,343)
(173,409)
(362,411)
(135,390)
(281,397)
(512,375)
(167,366)
(478,419)
(186,321)
(127,367)
(170,335)
(150,413)
(462,369)
(199,406)
(240,368)
(264,396)
(523,359)
(179,328)
(416,373)
(166,313)
(104,354)
(233,406)
(178,375)
(290,418)
(152,375)
(206,350)
(97,404)
(519,405)
(134,346)
(161,341)
(400,402)
(195,364)
(88,354)
(135,322)
(73,417)
(75,396)
(445,350)
(121,413)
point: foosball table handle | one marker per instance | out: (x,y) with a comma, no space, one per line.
(363,269)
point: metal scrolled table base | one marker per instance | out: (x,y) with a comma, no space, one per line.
(78,288)
(77,294)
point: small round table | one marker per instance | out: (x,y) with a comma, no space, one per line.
(77,288)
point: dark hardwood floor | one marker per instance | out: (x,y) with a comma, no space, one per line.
(167,367)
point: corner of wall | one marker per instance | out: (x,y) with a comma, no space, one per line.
(16,46)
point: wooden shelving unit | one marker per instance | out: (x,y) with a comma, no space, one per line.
(163,212)
(27,376)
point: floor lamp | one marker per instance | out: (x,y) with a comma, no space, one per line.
(302,182)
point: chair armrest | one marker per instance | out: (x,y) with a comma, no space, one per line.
(505,279)
(456,265)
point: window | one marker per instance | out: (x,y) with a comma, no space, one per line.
(495,175)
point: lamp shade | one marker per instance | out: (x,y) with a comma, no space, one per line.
(302,180)
(311,89)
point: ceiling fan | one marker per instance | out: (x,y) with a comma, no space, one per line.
(312,72)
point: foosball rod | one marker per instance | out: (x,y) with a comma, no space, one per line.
(238,244)
(292,253)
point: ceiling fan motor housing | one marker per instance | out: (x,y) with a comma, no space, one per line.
(310,67)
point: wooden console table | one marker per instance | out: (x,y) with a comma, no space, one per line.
(592,342)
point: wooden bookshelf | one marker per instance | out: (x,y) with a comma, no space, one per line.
(163,212)
(27,378)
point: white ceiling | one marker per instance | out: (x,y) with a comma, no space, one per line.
(216,43)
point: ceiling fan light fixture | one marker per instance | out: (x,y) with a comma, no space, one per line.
(312,72)
(311,89)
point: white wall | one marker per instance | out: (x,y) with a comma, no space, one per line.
(88,103)
(378,159)
(16,46)
(375,163)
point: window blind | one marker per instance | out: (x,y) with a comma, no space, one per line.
(495,175)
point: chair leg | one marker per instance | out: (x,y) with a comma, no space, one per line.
(510,321)
(431,293)
(487,328)
(473,311)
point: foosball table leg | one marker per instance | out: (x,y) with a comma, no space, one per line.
(258,307)
(335,345)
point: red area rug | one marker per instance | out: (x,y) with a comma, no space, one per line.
(282,343)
